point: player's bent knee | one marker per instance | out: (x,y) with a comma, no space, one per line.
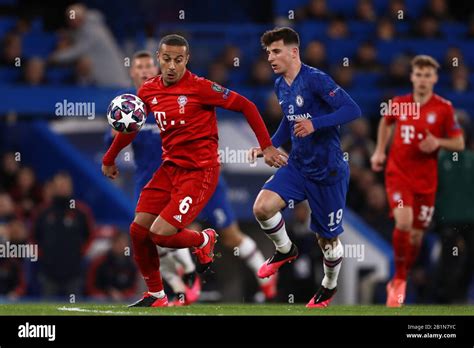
(144,219)
(161,227)
(263,210)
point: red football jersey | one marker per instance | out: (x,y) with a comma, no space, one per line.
(185,113)
(406,161)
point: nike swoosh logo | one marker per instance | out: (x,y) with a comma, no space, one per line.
(333,229)
(280,102)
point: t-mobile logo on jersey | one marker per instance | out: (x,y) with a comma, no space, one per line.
(160,118)
(407,133)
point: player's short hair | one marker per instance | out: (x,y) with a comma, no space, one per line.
(423,60)
(143,54)
(288,35)
(174,40)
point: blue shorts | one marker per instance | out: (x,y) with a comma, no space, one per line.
(327,202)
(218,212)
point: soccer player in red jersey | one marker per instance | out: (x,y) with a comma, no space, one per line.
(424,122)
(184,108)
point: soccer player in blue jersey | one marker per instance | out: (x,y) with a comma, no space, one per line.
(314,107)
(218,212)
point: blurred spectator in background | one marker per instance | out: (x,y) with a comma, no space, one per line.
(62,230)
(438,9)
(365,11)
(272,114)
(470,28)
(83,72)
(8,171)
(366,58)
(454,216)
(460,79)
(375,211)
(398,75)
(337,29)
(261,74)
(397,10)
(27,193)
(453,58)
(113,276)
(12,275)
(386,30)
(34,72)
(314,10)
(11,49)
(7,209)
(315,55)
(427,27)
(218,73)
(91,37)
(358,143)
(298,278)
(229,57)
(343,75)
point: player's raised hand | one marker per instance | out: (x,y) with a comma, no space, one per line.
(274,157)
(110,171)
(429,144)
(303,127)
(377,161)
(253,153)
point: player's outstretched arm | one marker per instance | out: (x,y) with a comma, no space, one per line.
(384,133)
(121,140)
(346,109)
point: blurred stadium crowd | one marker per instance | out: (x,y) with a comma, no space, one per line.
(377,37)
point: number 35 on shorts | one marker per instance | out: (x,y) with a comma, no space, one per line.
(185,204)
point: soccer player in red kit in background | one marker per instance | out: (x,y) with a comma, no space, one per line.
(184,108)
(424,122)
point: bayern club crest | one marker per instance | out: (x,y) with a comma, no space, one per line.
(299,100)
(431,118)
(182,100)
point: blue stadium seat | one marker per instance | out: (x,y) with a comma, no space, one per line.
(6,24)
(366,80)
(38,44)
(343,7)
(338,49)
(388,50)
(454,30)
(59,76)
(434,48)
(9,75)
(362,30)
(311,30)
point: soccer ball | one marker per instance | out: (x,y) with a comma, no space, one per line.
(126,113)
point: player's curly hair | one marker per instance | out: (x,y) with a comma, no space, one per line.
(288,35)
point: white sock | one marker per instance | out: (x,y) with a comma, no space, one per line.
(275,230)
(332,264)
(252,256)
(159,294)
(206,240)
(168,270)
(183,256)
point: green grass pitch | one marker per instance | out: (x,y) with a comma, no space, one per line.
(227,309)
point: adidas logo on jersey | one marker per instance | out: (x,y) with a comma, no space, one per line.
(154,101)
(177,217)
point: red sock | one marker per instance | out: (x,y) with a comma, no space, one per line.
(412,255)
(400,242)
(184,238)
(146,257)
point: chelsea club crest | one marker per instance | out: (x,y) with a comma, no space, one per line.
(299,100)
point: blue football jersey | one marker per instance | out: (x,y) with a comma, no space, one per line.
(314,95)
(146,150)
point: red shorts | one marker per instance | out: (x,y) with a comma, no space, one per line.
(400,195)
(178,194)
